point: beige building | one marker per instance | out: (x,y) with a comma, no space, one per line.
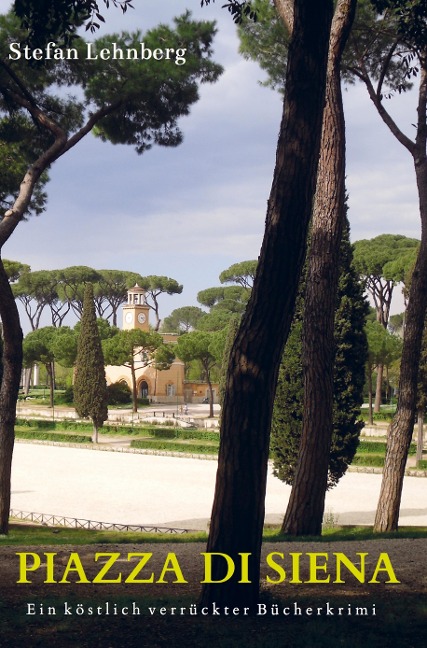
(167,386)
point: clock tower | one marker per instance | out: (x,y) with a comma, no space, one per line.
(135,312)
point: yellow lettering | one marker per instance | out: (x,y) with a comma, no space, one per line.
(74,564)
(174,567)
(24,567)
(145,557)
(314,567)
(208,567)
(357,573)
(99,578)
(384,559)
(276,567)
(295,568)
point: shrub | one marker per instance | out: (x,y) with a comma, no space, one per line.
(118,393)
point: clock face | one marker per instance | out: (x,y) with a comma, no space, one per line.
(141,318)
(128,318)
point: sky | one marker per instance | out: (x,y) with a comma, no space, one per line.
(192,211)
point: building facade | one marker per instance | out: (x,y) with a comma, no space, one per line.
(166,386)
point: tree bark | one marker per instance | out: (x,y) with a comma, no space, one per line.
(134,390)
(238,508)
(420,436)
(12,366)
(306,504)
(379,388)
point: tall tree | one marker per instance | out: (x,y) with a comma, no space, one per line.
(242,273)
(207,349)
(183,320)
(39,290)
(383,262)
(306,504)
(14,269)
(134,104)
(38,348)
(90,386)
(383,349)
(238,508)
(72,284)
(387,56)
(304,514)
(48,345)
(350,350)
(11,375)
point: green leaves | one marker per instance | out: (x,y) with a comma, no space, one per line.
(90,387)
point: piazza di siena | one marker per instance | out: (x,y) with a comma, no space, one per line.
(166,386)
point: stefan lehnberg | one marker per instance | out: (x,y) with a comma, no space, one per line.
(140,53)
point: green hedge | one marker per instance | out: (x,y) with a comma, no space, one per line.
(181,433)
(377,416)
(53,436)
(377,447)
(372,460)
(171,446)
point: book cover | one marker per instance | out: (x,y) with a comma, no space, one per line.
(174,200)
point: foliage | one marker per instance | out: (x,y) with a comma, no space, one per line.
(205,347)
(175,446)
(239,9)
(14,269)
(59,19)
(154,286)
(135,103)
(410,17)
(383,347)
(266,41)
(349,368)
(242,273)
(110,291)
(183,320)
(90,388)
(127,347)
(20,145)
(383,262)
(42,345)
(118,393)
(53,436)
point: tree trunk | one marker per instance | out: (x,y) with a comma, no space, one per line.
(370,399)
(379,388)
(134,391)
(12,365)
(208,380)
(238,508)
(306,504)
(420,437)
(401,428)
(49,372)
(95,433)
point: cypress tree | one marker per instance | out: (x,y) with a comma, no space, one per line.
(90,387)
(349,377)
